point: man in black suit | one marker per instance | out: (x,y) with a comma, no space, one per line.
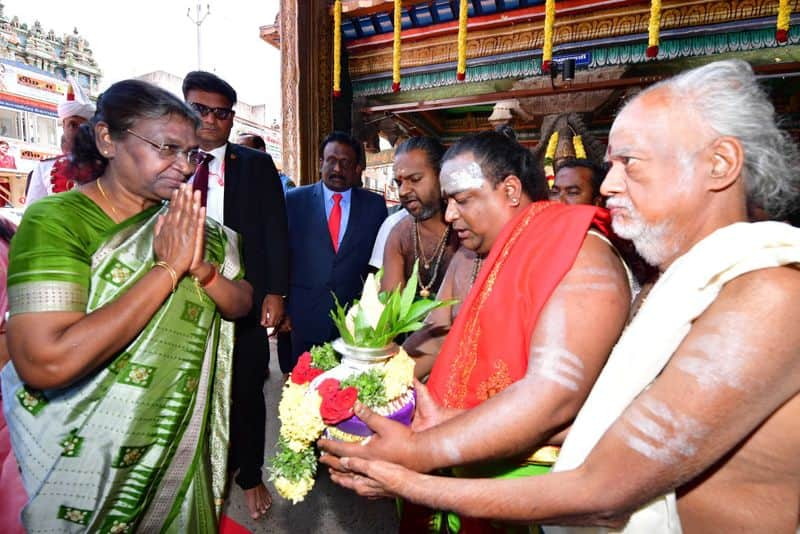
(244,193)
(332,228)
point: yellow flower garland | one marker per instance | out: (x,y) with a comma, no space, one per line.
(302,424)
(337,48)
(461,70)
(547,47)
(653,29)
(294,491)
(398,374)
(577,144)
(398,28)
(784,11)
(549,156)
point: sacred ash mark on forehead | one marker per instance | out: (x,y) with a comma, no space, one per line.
(459,175)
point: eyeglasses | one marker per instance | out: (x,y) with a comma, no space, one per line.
(220,113)
(166,151)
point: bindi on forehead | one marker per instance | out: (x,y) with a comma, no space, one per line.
(459,176)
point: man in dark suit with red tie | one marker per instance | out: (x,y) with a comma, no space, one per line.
(332,228)
(243,191)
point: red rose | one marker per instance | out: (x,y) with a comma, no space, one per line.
(303,372)
(339,406)
(328,387)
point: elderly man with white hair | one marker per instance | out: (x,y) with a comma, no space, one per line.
(692,424)
(55,175)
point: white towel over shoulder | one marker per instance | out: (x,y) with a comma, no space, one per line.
(682,293)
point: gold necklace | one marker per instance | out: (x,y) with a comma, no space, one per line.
(436,258)
(476,267)
(108,201)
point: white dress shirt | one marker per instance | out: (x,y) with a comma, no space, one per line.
(215,203)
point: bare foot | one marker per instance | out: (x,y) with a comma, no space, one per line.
(259,500)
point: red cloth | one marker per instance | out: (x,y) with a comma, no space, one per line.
(335,220)
(200,181)
(229,526)
(483,354)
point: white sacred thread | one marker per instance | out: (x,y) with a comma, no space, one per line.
(458,176)
(717,359)
(661,434)
(558,365)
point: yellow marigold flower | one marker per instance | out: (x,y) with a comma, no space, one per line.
(296,446)
(577,143)
(398,375)
(551,146)
(299,415)
(294,491)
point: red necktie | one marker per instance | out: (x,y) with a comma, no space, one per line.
(334,220)
(201,179)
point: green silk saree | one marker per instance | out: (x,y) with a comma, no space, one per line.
(141,443)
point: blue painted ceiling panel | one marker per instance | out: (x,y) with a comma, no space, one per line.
(422,15)
(488,6)
(366,26)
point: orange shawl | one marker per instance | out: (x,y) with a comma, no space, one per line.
(488,345)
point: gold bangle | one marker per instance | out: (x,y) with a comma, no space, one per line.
(172,274)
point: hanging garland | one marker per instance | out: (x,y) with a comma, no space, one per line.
(577,144)
(337,48)
(461,70)
(398,6)
(549,21)
(653,29)
(549,156)
(784,10)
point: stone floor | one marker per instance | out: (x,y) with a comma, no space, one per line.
(328,508)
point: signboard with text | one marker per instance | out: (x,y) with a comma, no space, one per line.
(17,80)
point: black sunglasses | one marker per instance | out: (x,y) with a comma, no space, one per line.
(220,113)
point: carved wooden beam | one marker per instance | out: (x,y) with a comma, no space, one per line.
(491,98)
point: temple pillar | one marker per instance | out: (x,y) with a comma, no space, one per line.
(306,83)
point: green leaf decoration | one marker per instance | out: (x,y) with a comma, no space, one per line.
(339,315)
(402,312)
(410,291)
(324,357)
(369,384)
(292,465)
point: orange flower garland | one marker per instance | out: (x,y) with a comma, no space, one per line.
(784,10)
(337,48)
(653,29)
(398,7)
(547,47)
(461,70)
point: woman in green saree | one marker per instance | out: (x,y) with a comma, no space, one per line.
(119,336)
